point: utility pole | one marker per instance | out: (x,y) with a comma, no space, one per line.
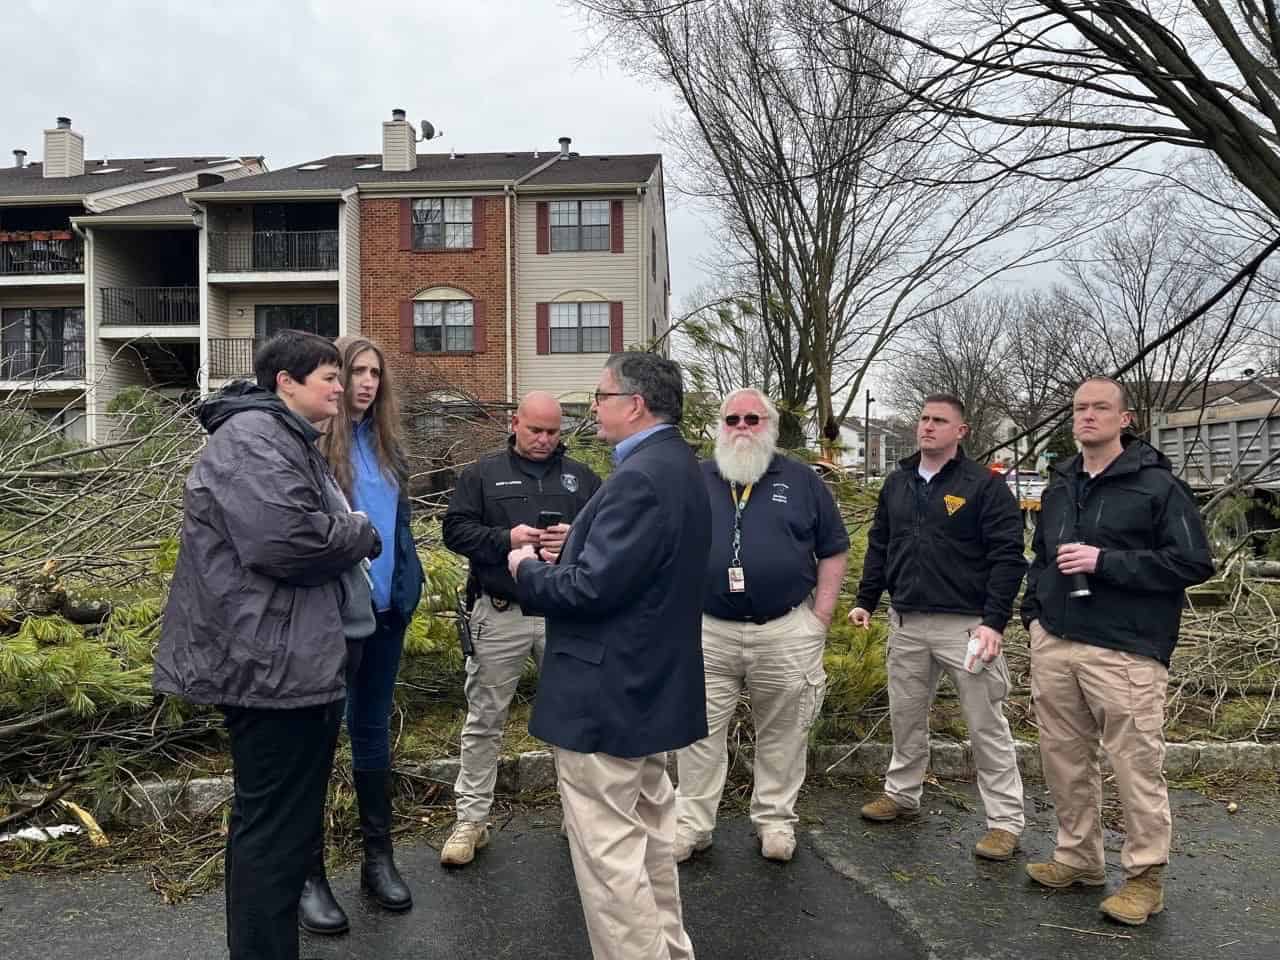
(866,439)
(1017,476)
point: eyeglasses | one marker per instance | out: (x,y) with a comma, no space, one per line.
(750,419)
(601,394)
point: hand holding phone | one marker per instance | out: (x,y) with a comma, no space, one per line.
(549,518)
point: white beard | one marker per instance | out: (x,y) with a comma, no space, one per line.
(744,459)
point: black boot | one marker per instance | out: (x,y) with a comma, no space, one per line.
(318,910)
(378,874)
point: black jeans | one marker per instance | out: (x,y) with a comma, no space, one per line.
(281,761)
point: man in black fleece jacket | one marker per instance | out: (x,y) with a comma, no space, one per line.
(947,545)
(1116,516)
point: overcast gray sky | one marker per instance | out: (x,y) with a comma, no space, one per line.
(294,80)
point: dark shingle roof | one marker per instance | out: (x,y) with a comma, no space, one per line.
(29,181)
(341,172)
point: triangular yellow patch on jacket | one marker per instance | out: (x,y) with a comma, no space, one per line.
(953,503)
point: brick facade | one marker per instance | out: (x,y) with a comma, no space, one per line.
(389,276)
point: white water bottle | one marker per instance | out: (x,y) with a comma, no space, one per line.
(973,661)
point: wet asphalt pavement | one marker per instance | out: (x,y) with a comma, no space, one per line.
(854,890)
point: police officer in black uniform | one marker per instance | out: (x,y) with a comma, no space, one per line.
(496,508)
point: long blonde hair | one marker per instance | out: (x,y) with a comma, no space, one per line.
(384,414)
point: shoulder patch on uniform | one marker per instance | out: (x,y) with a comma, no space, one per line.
(569,481)
(953,503)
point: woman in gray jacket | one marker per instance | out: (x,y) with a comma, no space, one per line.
(255,622)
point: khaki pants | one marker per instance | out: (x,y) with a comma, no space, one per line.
(921,647)
(1084,695)
(503,640)
(620,818)
(779,663)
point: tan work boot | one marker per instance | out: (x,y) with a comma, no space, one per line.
(997,845)
(883,809)
(468,836)
(1059,875)
(1138,899)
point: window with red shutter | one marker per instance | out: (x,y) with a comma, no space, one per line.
(543,226)
(615,327)
(479,331)
(477,222)
(543,327)
(615,227)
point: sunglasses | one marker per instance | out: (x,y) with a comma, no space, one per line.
(750,419)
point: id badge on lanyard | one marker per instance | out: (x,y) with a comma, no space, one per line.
(737,575)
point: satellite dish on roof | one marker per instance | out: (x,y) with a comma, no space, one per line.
(429,131)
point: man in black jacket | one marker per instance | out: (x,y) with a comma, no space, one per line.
(494,509)
(947,544)
(1118,542)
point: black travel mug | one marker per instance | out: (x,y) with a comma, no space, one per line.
(1079,584)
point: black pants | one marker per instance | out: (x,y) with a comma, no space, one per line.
(281,761)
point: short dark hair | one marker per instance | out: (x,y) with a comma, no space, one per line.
(948,398)
(653,377)
(1120,387)
(295,353)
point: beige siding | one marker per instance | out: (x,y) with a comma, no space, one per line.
(230,218)
(351,277)
(117,368)
(218,312)
(145,192)
(63,154)
(241,302)
(115,264)
(655,218)
(399,151)
(543,278)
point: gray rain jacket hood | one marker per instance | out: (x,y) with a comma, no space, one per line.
(253,616)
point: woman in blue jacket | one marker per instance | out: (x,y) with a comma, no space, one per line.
(363,447)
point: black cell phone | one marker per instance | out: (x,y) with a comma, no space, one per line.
(549,518)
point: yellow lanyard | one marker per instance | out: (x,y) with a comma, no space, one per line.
(746,495)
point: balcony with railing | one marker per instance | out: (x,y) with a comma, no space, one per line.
(231,357)
(274,251)
(40,253)
(40,360)
(150,307)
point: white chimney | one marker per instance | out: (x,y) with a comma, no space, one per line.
(564,148)
(399,149)
(63,151)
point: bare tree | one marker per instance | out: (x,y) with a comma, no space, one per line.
(1044,359)
(1134,285)
(960,350)
(852,210)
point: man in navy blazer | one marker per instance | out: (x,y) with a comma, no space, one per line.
(622,679)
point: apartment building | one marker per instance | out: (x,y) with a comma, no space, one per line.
(99,276)
(483,275)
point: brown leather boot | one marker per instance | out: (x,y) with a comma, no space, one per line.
(1059,875)
(1138,899)
(997,845)
(883,809)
